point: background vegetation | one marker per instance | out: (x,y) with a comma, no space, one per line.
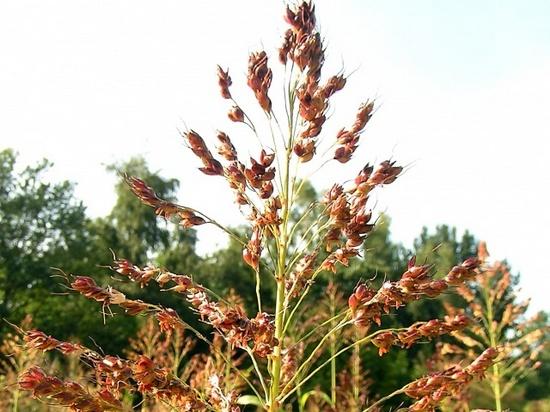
(43,226)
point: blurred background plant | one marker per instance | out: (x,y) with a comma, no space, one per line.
(502,322)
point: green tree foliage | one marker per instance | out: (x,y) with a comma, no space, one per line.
(43,226)
(226,271)
(382,259)
(443,247)
(139,234)
(40,224)
(180,254)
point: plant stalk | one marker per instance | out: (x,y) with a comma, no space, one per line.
(493,340)
(332,352)
(280,300)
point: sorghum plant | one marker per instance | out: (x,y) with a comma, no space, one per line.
(14,360)
(502,324)
(165,351)
(173,351)
(294,253)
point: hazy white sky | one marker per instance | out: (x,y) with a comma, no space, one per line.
(463,89)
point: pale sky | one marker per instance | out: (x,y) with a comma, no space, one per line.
(463,90)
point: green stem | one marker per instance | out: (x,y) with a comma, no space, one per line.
(496,388)
(332,352)
(276,357)
(304,364)
(384,399)
(258,372)
(366,339)
(258,290)
(355,373)
(493,340)
(15,407)
(333,371)
(279,305)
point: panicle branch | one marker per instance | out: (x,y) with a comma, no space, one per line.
(367,305)
(67,393)
(433,389)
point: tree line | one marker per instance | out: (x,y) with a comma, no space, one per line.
(45,234)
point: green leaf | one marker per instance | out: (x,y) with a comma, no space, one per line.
(249,400)
(305,397)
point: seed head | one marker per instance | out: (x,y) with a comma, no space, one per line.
(224,81)
(236,114)
(226,148)
(259,78)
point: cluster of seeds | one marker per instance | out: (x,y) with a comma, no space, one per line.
(367,305)
(433,389)
(419,331)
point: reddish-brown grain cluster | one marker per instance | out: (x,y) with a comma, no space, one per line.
(418,331)
(234,325)
(260,175)
(224,81)
(349,223)
(349,217)
(163,208)
(68,394)
(112,376)
(38,340)
(111,372)
(502,323)
(211,166)
(303,46)
(226,148)
(259,78)
(301,274)
(302,43)
(230,320)
(164,386)
(368,305)
(433,389)
(87,287)
(135,273)
(253,249)
(347,139)
(235,113)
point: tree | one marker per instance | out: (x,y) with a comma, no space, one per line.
(139,234)
(42,227)
(180,254)
(442,248)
